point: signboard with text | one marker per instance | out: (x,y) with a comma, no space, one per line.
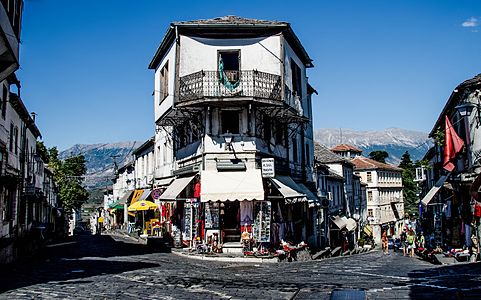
(268,169)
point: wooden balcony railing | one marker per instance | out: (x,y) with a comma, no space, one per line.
(208,84)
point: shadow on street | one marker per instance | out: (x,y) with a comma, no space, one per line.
(446,282)
(74,258)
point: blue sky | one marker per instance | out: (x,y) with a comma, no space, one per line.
(378,64)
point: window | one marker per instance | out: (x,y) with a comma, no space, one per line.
(230,121)
(369,196)
(164,82)
(369,177)
(294,149)
(231,64)
(16,140)
(10,147)
(3,101)
(296,79)
(369,212)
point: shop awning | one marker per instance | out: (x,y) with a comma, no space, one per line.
(368,229)
(145,194)
(434,190)
(311,198)
(136,196)
(351,224)
(339,222)
(289,189)
(126,196)
(175,188)
(231,186)
(164,181)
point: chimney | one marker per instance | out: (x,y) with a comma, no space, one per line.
(34,115)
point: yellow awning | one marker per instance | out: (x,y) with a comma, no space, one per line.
(136,196)
(142,205)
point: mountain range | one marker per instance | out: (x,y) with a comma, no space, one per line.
(100,157)
(100,160)
(395,141)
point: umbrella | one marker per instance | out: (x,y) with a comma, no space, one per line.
(142,206)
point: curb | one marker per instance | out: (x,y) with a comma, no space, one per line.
(227,259)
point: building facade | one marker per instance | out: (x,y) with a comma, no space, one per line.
(451,182)
(228,93)
(385,204)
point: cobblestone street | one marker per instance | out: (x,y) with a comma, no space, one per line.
(116,267)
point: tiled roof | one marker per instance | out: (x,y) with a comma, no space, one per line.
(324,155)
(345,147)
(364,163)
(230,20)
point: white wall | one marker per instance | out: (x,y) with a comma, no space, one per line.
(162,105)
(198,54)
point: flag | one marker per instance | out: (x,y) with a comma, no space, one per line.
(452,146)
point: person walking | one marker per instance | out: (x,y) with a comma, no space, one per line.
(404,242)
(384,243)
(411,239)
(422,241)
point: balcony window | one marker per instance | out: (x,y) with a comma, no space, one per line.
(296,79)
(164,82)
(230,121)
(230,61)
(369,177)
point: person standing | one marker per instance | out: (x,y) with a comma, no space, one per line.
(422,241)
(411,239)
(404,242)
(384,243)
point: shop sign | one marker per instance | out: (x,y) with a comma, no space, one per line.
(156,194)
(268,170)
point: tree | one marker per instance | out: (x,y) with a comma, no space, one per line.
(379,155)
(409,185)
(43,152)
(69,175)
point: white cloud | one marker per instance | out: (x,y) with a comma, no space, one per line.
(471,22)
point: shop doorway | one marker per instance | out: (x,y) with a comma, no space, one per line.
(230,221)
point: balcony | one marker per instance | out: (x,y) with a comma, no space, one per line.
(205,86)
(10,18)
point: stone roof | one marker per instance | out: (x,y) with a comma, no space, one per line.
(364,163)
(325,156)
(230,20)
(345,147)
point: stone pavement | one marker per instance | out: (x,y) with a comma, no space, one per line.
(116,267)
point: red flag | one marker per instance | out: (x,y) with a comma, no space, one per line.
(452,145)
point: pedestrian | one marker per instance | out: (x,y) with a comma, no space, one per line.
(422,241)
(404,241)
(411,239)
(384,243)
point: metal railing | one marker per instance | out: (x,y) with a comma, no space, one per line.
(207,84)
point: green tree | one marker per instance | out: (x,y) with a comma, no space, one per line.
(379,155)
(409,185)
(69,175)
(43,152)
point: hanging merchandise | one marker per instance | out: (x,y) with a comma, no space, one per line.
(477,209)
(262,223)
(211,215)
(197,190)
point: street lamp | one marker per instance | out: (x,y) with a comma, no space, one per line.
(228,140)
(465,109)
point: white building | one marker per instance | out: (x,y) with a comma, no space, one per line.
(385,204)
(144,165)
(228,92)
